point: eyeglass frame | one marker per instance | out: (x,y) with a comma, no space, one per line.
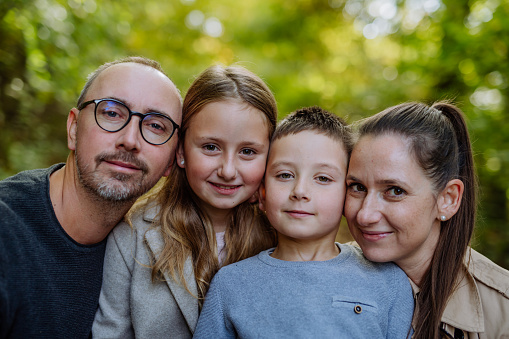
(131,113)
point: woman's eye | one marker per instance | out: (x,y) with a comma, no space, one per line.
(356,187)
(396,191)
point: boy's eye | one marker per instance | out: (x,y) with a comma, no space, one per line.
(284,176)
(247,151)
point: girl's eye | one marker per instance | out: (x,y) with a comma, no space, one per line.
(396,192)
(356,187)
(210,148)
(323,179)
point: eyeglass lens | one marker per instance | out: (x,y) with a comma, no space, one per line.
(113,116)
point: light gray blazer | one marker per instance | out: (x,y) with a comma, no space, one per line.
(130,304)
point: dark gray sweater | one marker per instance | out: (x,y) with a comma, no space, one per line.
(49,284)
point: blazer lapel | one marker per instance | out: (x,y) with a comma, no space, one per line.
(187,303)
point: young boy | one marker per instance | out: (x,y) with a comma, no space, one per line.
(308,286)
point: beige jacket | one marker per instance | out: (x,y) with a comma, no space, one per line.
(479,307)
(130,304)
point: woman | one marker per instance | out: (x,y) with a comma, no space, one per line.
(412,199)
(157,273)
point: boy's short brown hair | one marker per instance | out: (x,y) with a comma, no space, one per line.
(316,119)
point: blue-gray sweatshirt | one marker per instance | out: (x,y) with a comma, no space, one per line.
(345,297)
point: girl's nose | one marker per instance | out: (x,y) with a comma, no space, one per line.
(227,170)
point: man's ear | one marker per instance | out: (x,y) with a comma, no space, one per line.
(72,126)
(449,200)
(261,196)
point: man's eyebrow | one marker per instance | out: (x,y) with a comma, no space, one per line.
(129,104)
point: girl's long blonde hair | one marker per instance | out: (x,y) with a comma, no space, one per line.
(186,230)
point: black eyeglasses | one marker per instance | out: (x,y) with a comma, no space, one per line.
(113,115)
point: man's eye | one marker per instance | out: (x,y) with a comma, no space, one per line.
(111,114)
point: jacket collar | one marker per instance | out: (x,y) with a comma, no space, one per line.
(187,303)
(464,309)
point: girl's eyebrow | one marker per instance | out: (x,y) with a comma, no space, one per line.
(243,143)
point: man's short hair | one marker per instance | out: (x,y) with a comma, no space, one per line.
(132,59)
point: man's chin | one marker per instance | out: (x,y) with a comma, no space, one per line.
(119,191)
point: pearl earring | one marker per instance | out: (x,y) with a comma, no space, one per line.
(442,218)
(182,162)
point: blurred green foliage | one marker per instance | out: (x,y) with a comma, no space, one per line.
(353,57)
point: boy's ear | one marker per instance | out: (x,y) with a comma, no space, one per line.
(72,123)
(449,200)
(261,196)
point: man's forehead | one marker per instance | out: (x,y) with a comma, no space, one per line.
(131,68)
(129,76)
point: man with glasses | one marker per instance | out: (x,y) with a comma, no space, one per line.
(54,222)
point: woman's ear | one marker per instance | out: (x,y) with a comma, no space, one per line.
(449,200)
(261,196)
(180,156)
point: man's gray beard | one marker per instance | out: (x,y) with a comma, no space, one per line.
(115,189)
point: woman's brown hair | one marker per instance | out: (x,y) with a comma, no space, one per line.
(440,143)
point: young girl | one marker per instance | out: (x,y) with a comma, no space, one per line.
(157,273)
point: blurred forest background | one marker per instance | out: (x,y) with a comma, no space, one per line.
(352,57)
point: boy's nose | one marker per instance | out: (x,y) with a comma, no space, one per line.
(300,191)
